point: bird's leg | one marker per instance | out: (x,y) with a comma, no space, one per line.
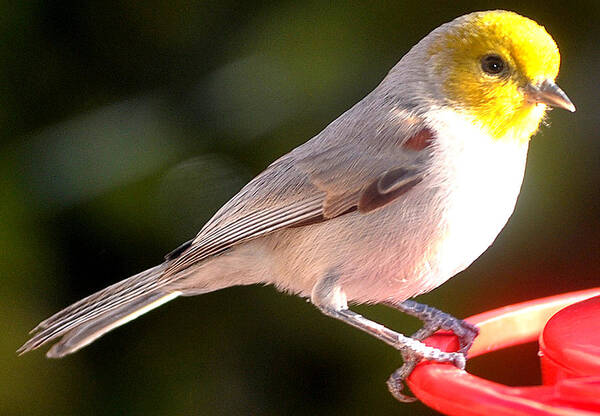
(433,320)
(331,300)
(412,350)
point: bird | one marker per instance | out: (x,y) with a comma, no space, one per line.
(394,197)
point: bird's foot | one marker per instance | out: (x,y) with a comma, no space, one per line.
(396,380)
(434,320)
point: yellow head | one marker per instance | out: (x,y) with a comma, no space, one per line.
(499,68)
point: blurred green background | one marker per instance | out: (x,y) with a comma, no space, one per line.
(126,124)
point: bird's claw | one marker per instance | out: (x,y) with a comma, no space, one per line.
(467,337)
(396,381)
(464,331)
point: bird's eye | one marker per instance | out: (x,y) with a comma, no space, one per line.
(493,65)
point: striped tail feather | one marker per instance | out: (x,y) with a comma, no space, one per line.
(88,319)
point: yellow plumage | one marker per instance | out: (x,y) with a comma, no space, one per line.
(497,103)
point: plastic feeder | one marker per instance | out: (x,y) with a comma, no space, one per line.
(568,328)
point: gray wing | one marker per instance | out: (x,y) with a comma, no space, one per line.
(304,187)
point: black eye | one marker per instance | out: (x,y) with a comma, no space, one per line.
(492,64)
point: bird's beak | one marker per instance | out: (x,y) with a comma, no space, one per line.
(547,92)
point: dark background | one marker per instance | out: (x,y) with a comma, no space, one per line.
(126,124)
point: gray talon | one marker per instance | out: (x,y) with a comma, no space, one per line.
(435,320)
(395,382)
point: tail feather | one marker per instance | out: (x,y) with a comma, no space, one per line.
(105,297)
(91,330)
(91,317)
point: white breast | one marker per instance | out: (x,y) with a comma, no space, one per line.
(483,178)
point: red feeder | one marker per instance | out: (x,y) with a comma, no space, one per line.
(568,327)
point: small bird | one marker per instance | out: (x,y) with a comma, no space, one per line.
(397,195)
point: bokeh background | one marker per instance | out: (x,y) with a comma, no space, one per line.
(126,124)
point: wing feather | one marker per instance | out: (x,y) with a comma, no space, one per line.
(254,225)
(304,187)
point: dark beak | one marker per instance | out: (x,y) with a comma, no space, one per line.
(547,92)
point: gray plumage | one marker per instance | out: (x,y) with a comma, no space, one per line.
(394,197)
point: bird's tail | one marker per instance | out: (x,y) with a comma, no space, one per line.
(90,318)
